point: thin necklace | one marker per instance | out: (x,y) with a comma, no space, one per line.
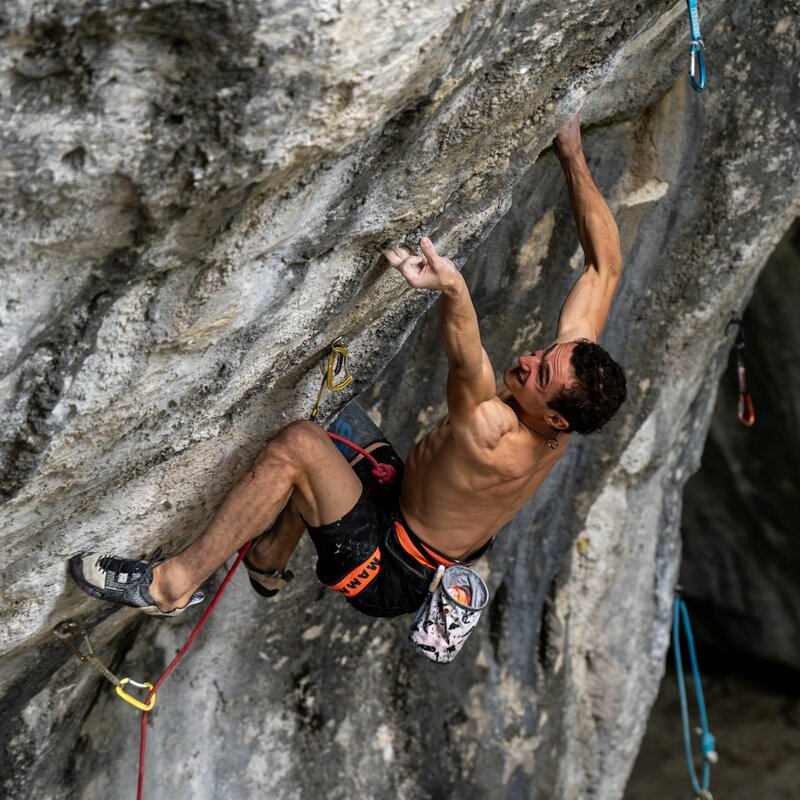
(552,441)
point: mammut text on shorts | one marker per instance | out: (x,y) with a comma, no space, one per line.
(358,579)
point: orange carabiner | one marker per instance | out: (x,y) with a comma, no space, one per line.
(747,416)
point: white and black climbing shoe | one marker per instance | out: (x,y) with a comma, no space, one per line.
(267,582)
(120,580)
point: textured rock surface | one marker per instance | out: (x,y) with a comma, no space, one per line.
(196,194)
(741,564)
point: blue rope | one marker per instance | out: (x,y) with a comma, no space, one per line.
(681,614)
(697,64)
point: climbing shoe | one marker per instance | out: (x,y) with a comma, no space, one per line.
(267,582)
(121,580)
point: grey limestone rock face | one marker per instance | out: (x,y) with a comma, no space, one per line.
(195,197)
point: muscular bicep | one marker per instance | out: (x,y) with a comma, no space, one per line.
(585,311)
(467,389)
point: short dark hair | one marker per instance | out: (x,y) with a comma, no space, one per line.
(599,389)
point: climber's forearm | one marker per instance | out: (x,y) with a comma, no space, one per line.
(597,229)
(458,327)
(586,308)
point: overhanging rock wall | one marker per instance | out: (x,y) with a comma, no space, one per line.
(196,195)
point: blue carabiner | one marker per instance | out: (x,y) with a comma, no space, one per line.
(697,66)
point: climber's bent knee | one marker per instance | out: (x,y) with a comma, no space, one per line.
(292,448)
(324,487)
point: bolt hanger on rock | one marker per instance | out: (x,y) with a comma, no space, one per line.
(77,637)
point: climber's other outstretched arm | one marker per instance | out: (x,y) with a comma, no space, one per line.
(470,378)
(586,308)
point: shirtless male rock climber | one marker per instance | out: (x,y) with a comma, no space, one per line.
(461,483)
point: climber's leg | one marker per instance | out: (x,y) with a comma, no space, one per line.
(300,463)
(272,550)
(266,560)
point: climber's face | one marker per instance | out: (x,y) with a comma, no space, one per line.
(537,379)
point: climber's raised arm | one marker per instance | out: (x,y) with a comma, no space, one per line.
(586,308)
(470,379)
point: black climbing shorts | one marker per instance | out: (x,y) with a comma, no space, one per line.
(367,555)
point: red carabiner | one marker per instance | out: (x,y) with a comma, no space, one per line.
(747,416)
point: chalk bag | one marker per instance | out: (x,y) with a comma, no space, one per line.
(449,614)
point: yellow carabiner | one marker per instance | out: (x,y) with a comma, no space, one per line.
(132,700)
(337,359)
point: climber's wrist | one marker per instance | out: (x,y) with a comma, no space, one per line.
(570,155)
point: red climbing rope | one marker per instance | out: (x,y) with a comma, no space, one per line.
(181,653)
(385,473)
